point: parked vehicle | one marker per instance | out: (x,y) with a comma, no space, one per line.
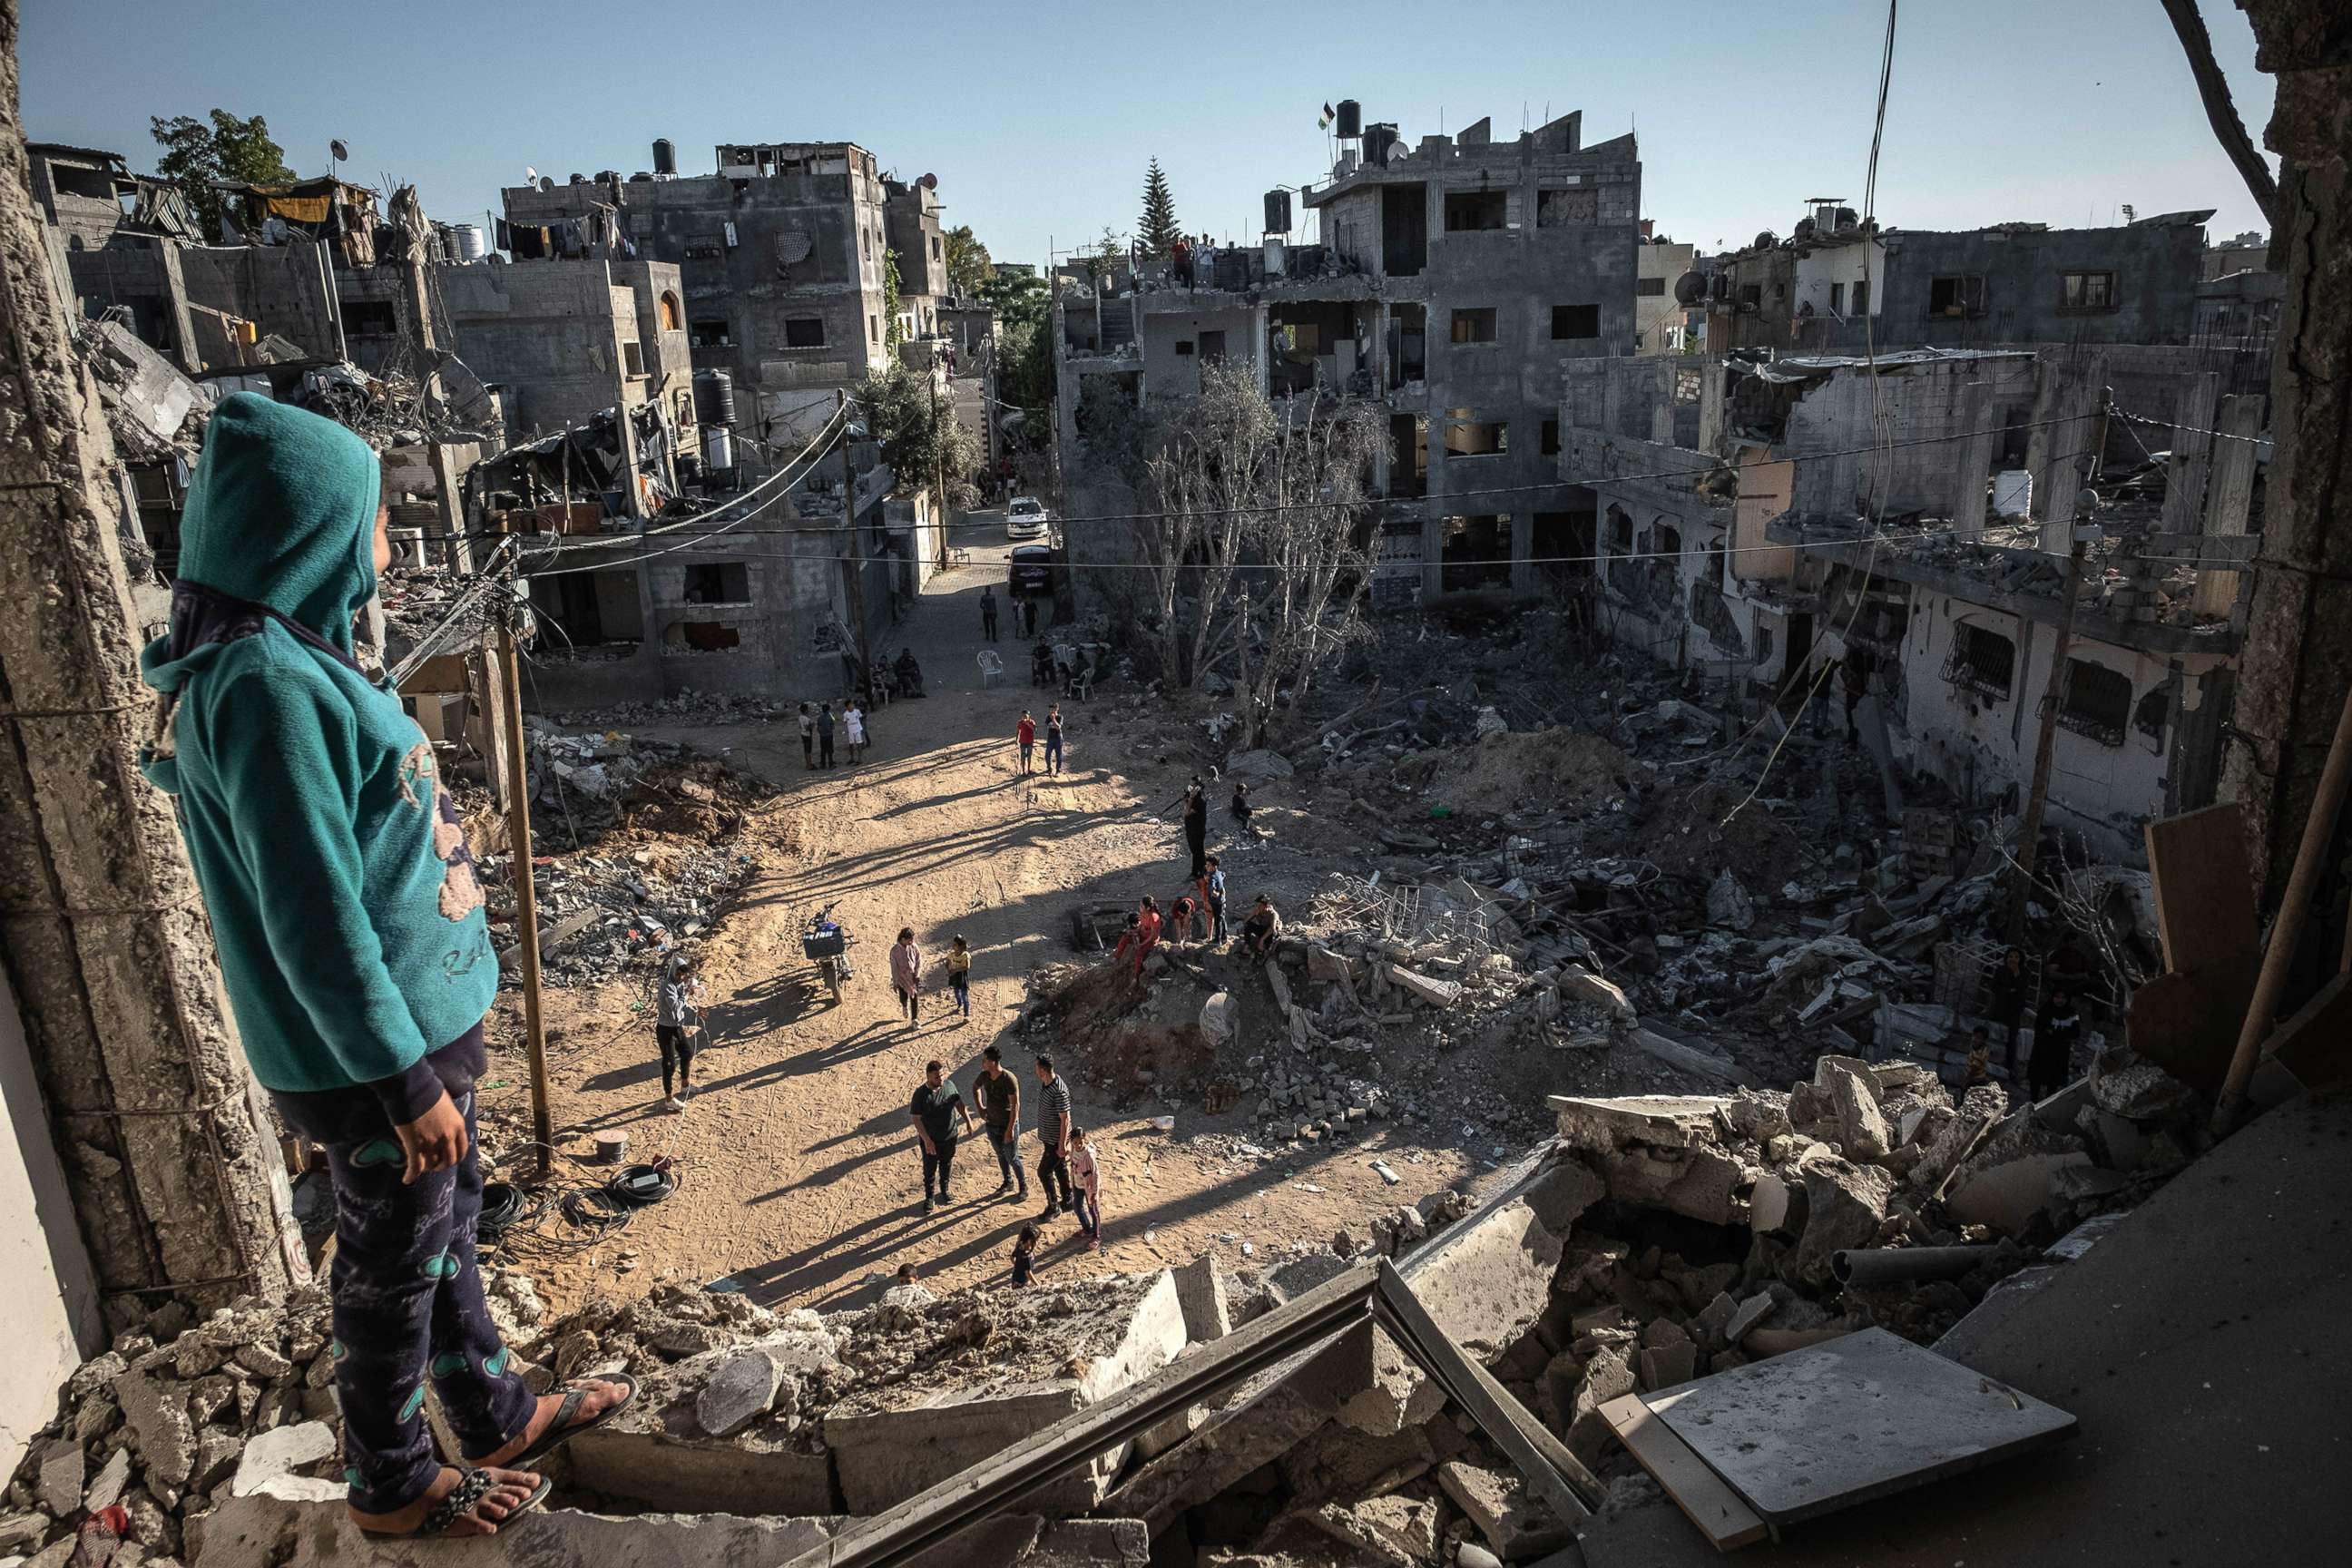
(827,946)
(1031,570)
(1026,517)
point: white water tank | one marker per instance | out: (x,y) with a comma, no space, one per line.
(469,236)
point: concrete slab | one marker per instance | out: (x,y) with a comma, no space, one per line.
(1486,1283)
(2197,1344)
(889,1445)
(264,1532)
(1864,1415)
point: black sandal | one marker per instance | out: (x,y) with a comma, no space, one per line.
(459,1502)
(563,1428)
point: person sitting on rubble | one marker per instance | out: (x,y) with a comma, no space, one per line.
(1260,930)
(1241,809)
(354,951)
(908,673)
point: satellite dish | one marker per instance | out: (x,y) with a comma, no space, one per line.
(546,183)
(529,175)
(929,182)
(342,152)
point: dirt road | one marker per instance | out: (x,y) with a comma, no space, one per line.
(801,1175)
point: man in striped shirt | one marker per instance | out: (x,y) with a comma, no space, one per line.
(1054,1134)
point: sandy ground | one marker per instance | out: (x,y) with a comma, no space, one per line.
(802,1175)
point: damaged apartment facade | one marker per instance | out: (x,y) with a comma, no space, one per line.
(1748,523)
(1451,281)
(782,255)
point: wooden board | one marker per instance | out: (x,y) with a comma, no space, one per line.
(1727,1522)
(2204,889)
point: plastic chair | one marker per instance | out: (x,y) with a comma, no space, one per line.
(992,668)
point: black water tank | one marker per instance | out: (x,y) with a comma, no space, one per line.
(1804,229)
(1378,141)
(1351,118)
(714,397)
(1278,212)
(665,156)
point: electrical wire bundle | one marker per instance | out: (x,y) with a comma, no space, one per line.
(564,1218)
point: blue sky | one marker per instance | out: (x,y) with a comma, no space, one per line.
(1038,118)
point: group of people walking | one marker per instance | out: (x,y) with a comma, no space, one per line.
(1024,735)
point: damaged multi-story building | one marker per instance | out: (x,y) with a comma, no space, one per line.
(783,253)
(1451,280)
(1751,525)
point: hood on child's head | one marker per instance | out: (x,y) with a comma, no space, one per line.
(282,513)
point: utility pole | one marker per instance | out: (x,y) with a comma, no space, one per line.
(2054,695)
(1241,674)
(853,554)
(510,610)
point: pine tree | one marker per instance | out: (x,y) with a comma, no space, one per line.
(1159,233)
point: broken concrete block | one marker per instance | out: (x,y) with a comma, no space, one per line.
(21,1533)
(1220,1018)
(1714,1317)
(890,1443)
(1951,1143)
(1396,1394)
(112,1477)
(1201,1293)
(1862,1126)
(1517,1523)
(1436,992)
(736,1394)
(1489,1283)
(1586,987)
(2008,1181)
(1844,1205)
(58,1478)
(216,1454)
(1752,1311)
(158,1415)
(1408,1524)
(281,1452)
(1727,903)
(1768,1201)
(1662,1366)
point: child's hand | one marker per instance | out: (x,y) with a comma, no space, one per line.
(434,1142)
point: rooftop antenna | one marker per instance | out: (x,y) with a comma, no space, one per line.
(336,153)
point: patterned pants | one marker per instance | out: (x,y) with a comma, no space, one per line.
(408,1306)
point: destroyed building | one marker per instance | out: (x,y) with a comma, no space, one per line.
(1724,495)
(1663,324)
(1449,281)
(2006,283)
(910,214)
(782,253)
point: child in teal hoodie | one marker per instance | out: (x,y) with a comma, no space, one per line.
(354,948)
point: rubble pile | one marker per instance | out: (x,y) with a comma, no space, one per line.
(688,706)
(183,1414)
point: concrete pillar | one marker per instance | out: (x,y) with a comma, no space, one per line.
(2229,495)
(2192,448)
(175,1187)
(183,321)
(1710,407)
(1972,459)
(449,486)
(2074,389)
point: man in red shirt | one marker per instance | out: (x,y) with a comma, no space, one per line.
(1026,733)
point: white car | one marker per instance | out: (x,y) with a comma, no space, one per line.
(1026,517)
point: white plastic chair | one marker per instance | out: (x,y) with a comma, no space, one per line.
(992,668)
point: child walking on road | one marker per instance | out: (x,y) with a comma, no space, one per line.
(1026,733)
(677,1018)
(1024,1255)
(1086,1175)
(959,977)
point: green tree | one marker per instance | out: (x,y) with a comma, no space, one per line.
(970,266)
(1108,257)
(200,155)
(1158,233)
(920,436)
(1025,341)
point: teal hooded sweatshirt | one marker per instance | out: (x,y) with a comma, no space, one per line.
(345,908)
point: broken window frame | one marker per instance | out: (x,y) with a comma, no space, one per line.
(708,582)
(1570,317)
(2099,707)
(1549,445)
(2076,289)
(1460,419)
(1472,324)
(1477,203)
(1965,290)
(1975,665)
(700,333)
(1650,287)
(633,359)
(793,341)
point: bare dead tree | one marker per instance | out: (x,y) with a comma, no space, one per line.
(2220,108)
(1315,569)
(1208,477)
